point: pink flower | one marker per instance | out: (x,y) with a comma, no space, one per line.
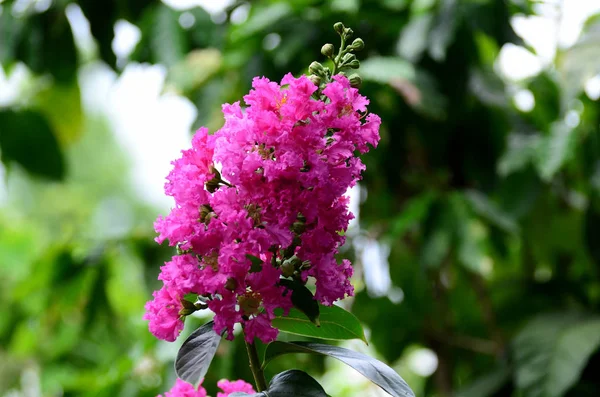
(184,389)
(163,314)
(229,387)
(285,162)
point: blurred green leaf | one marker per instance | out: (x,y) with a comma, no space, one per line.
(442,34)
(61,104)
(413,37)
(490,211)
(412,213)
(262,18)
(27,139)
(335,324)
(487,385)
(167,38)
(579,63)
(385,69)
(198,67)
(552,350)
(555,149)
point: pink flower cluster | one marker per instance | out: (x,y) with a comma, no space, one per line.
(184,389)
(262,199)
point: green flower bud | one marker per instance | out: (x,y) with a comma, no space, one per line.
(354,64)
(339,27)
(358,44)
(289,266)
(327,50)
(348,32)
(355,80)
(316,68)
(348,58)
(316,80)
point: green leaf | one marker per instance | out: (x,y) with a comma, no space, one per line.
(487,385)
(441,35)
(413,38)
(49,46)
(303,299)
(520,152)
(335,324)
(195,69)
(261,18)
(413,212)
(167,40)
(555,150)
(27,139)
(256,265)
(487,209)
(552,350)
(61,104)
(385,69)
(376,371)
(196,353)
(290,383)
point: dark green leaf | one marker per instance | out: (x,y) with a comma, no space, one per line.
(196,353)
(102,16)
(50,46)
(290,383)
(27,139)
(303,299)
(376,371)
(256,263)
(294,382)
(335,324)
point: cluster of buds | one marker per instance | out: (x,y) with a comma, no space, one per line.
(344,60)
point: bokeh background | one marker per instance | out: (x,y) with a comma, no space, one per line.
(477,239)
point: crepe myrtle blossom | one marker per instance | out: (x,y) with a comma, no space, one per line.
(262,199)
(184,389)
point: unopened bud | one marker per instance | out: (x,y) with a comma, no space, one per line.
(358,44)
(289,266)
(348,32)
(327,50)
(348,58)
(354,64)
(355,80)
(316,80)
(316,68)
(339,27)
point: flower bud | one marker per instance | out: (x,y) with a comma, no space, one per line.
(354,64)
(358,44)
(348,58)
(339,27)
(316,80)
(289,266)
(316,68)
(355,80)
(348,32)
(327,50)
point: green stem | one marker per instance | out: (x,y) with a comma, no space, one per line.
(341,52)
(257,372)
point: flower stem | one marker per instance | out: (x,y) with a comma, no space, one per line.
(257,372)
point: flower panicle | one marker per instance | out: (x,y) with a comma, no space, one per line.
(264,199)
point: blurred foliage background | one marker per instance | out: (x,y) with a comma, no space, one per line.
(477,248)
